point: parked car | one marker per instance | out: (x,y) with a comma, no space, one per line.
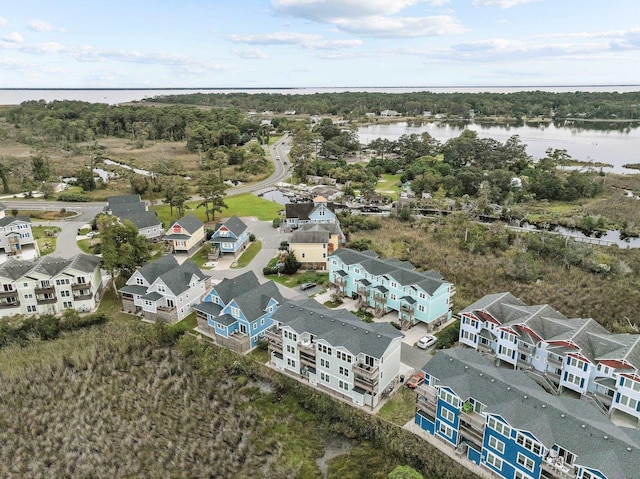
(91,234)
(415,380)
(425,342)
(306,286)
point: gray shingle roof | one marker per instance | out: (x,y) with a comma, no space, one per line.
(332,228)
(189,222)
(49,265)
(229,288)
(225,319)
(571,423)
(142,219)
(254,300)
(235,225)
(178,279)
(151,271)
(208,308)
(339,328)
(401,271)
(123,210)
(7,220)
(120,199)
(315,234)
(153,296)
(133,289)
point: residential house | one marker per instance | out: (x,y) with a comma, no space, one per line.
(318,211)
(313,243)
(185,235)
(391,285)
(164,290)
(232,236)
(389,113)
(335,351)
(16,237)
(237,312)
(50,285)
(132,208)
(577,355)
(503,421)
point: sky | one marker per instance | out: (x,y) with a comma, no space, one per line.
(318,43)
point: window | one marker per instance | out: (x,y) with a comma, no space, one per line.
(422,296)
(31,309)
(507,351)
(344,371)
(262,320)
(170,303)
(28,296)
(291,362)
(343,385)
(573,379)
(67,304)
(630,383)
(628,401)
(588,475)
(324,363)
(81,279)
(235,312)
(576,363)
(291,349)
(498,426)
(496,444)
(392,296)
(161,289)
(421,308)
(325,349)
(446,430)
(494,460)
(343,356)
(304,255)
(393,284)
(447,414)
(522,475)
(525,461)
(529,444)
(65,294)
(449,398)
(324,377)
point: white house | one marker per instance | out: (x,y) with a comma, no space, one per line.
(50,285)
(164,290)
(335,350)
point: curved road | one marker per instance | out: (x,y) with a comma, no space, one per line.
(66,245)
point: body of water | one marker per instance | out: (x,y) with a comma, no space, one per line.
(615,147)
(12,96)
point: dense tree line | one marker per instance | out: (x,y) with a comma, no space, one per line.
(603,105)
(68,122)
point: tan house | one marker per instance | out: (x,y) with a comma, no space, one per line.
(313,243)
(185,235)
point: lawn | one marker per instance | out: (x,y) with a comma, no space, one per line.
(88,245)
(250,253)
(400,408)
(189,323)
(111,306)
(389,184)
(46,238)
(241,205)
(293,280)
(202,256)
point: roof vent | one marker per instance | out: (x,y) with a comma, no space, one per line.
(310,313)
(562,415)
(544,405)
(508,388)
(629,449)
(481,374)
(583,426)
(466,367)
(366,332)
(493,380)
(450,359)
(526,397)
(606,437)
(379,335)
(354,328)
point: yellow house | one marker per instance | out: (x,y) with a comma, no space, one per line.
(186,235)
(313,243)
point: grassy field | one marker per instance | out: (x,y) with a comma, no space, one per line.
(240,205)
(389,184)
(293,280)
(249,254)
(45,237)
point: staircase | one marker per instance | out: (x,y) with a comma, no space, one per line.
(543,381)
(599,405)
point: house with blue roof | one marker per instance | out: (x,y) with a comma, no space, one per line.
(386,285)
(164,290)
(238,311)
(232,236)
(575,355)
(319,211)
(502,420)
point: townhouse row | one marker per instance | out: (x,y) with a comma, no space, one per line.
(391,285)
(562,354)
(50,285)
(503,421)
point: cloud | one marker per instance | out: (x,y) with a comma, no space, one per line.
(437,3)
(500,3)
(250,53)
(628,41)
(41,26)
(327,11)
(4,22)
(13,37)
(305,40)
(278,38)
(407,27)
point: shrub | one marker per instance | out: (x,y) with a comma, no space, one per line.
(252,237)
(276,223)
(74,197)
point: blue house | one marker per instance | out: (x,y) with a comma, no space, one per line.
(502,420)
(237,312)
(317,212)
(232,236)
(391,285)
